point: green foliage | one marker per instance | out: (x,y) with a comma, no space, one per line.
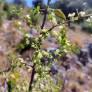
(43,80)
(33,16)
(41,68)
(15,62)
(15,81)
(60,14)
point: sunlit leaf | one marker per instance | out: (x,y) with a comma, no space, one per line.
(59,13)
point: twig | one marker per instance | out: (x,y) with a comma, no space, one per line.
(32,78)
(5,86)
(67,21)
(48,2)
(28,64)
(44,19)
(58,25)
(45,14)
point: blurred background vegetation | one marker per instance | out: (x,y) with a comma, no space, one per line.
(67,6)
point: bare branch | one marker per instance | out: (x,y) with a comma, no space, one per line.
(45,14)
(32,78)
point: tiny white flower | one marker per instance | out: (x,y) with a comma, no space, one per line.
(90,16)
(88,20)
(27,42)
(19,23)
(61,27)
(71,14)
(52,14)
(82,13)
(21,59)
(27,35)
(28,16)
(41,86)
